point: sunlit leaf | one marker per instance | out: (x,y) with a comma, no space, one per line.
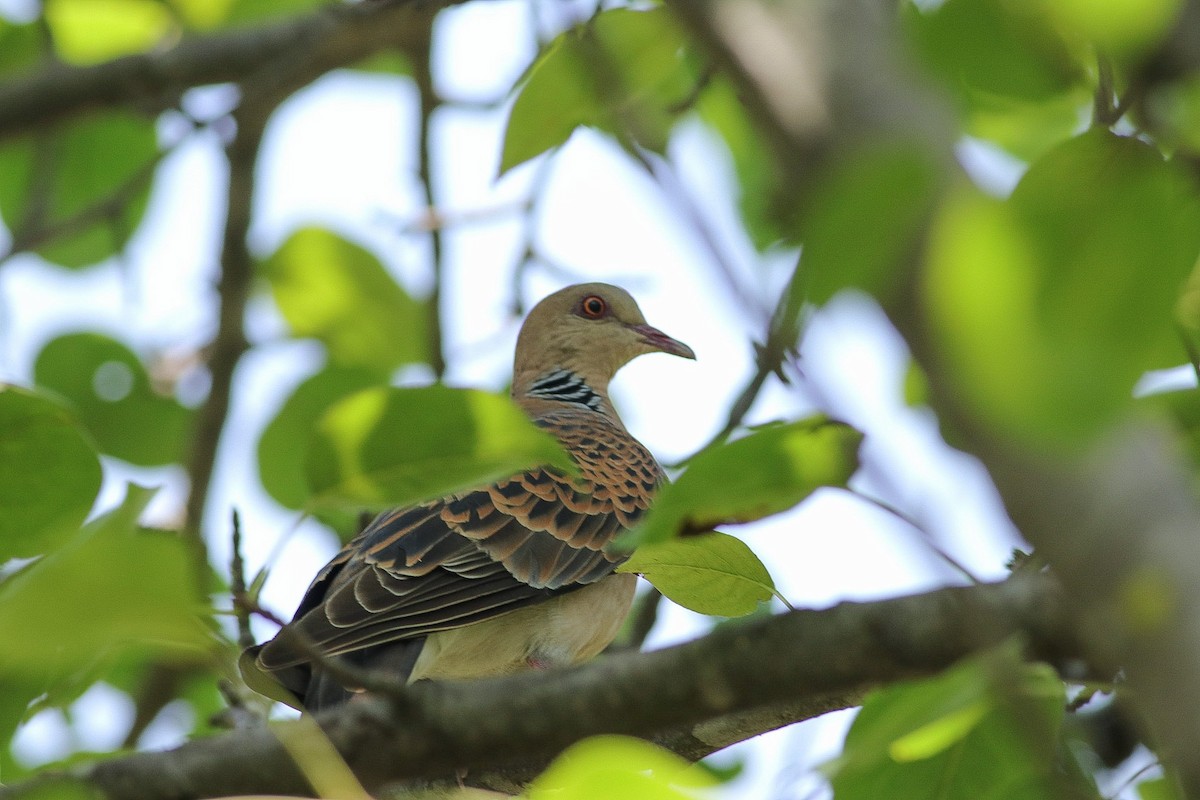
(110,392)
(712,573)
(885,190)
(393,446)
(285,440)
(623,72)
(988,728)
(78,191)
(49,474)
(88,31)
(109,588)
(1160,788)
(205,14)
(618,766)
(339,293)
(768,471)
(1050,306)
(1121,28)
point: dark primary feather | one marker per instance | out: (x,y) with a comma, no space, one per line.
(470,557)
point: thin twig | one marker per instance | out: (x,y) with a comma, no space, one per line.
(926,537)
(423,76)
(237,571)
(782,337)
(229,343)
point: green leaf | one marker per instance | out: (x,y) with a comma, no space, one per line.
(987,728)
(762,200)
(20,46)
(244,11)
(90,31)
(285,439)
(619,766)
(1049,307)
(339,293)
(1124,29)
(712,573)
(1027,129)
(623,71)
(767,472)
(988,48)
(885,189)
(49,474)
(63,175)
(110,391)
(1160,788)
(384,446)
(110,588)
(204,14)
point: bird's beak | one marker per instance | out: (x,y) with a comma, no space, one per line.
(660,341)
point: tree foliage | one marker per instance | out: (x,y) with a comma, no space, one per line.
(1033,317)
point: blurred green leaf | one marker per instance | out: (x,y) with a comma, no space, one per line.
(623,72)
(760,194)
(712,573)
(340,294)
(1124,29)
(764,473)
(619,766)
(1173,113)
(110,391)
(1160,788)
(244,11)
(887,190)
(1027,129)
(988,729)
(90,31)
(285,439)
(20,46)
(62,786)
(110,588)
(205,14)
(984,48)
(1049,307)
(384,446)
(49,474)
(87,183)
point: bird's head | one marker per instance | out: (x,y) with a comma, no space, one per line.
(591,329)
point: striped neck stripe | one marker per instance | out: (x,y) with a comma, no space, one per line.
(566,387)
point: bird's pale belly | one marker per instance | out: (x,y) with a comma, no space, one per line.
(565,630)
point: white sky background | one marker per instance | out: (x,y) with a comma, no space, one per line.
(342,154)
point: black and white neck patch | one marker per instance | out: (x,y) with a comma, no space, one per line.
(566,387)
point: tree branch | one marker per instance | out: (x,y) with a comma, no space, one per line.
(697,697)
(334,36)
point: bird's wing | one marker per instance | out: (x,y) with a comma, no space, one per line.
(476,555)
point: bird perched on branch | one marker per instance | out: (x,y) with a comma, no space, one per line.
(509,576)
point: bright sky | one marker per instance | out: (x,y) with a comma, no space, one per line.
(341,153)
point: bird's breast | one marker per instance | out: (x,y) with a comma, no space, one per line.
(564,630)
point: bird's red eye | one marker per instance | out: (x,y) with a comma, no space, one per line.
(593,306)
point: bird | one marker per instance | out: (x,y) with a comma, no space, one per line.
(507,577)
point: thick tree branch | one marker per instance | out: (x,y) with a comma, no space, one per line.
(335,36)
(698,697)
